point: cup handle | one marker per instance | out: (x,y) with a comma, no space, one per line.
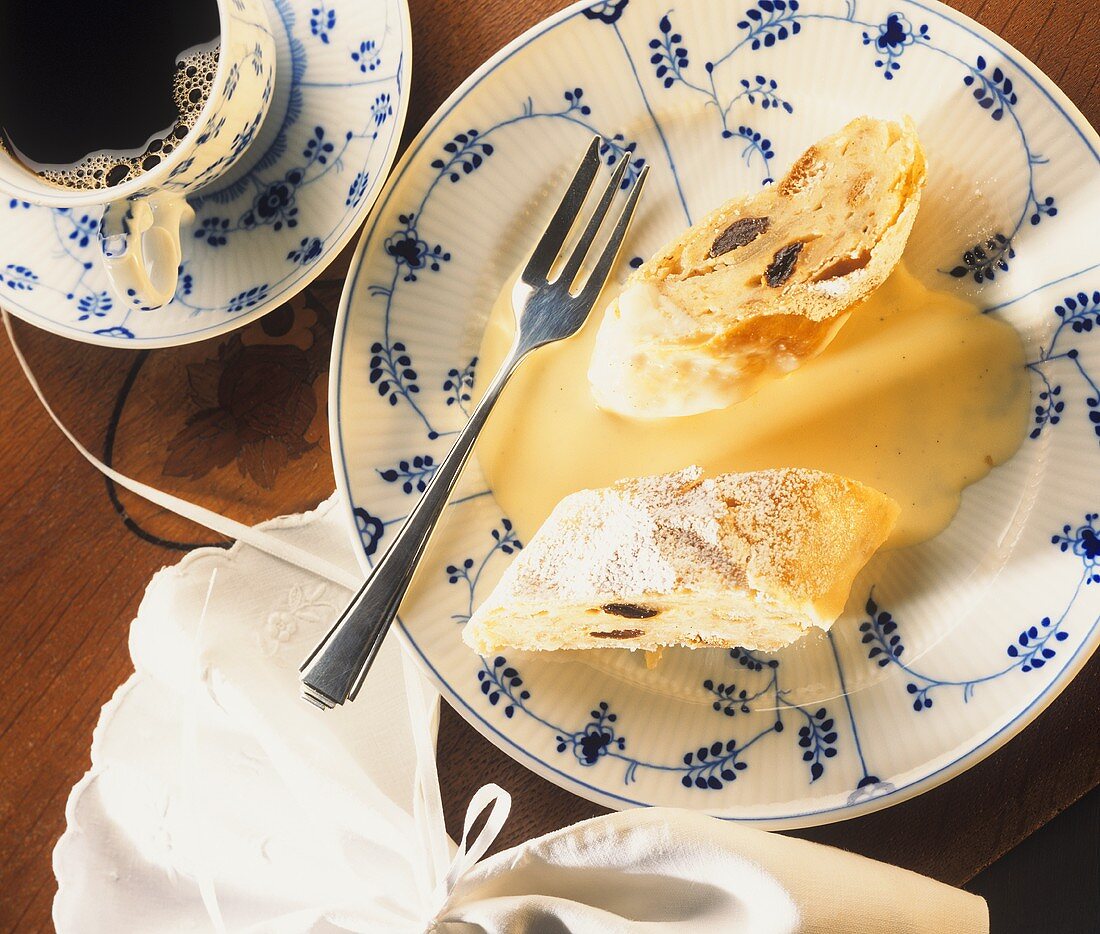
(139,242)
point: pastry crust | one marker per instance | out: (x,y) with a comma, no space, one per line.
(752,560)
(763,283)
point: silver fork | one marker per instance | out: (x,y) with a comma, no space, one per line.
(546,311)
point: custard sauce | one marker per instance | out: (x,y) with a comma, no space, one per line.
(918,396)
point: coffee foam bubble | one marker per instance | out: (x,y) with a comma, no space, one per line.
(191,85)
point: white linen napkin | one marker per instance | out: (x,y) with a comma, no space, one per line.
(673,871)
(218,800)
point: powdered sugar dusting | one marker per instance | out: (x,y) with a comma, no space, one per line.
(742,559)
(803,525)
(834,288)
(628,539)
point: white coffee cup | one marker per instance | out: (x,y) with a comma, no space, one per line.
(139,234)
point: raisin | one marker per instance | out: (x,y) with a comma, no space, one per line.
(782,265)
(741,231)
(618,634)
(629,610)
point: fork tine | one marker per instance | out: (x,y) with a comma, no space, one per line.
(602,269)
(547,249)
(580,251)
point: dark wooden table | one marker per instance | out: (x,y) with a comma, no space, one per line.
(76,554)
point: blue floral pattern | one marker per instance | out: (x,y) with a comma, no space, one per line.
(671,59)
(357,188)
(606,11)
(18,278)
(275,204)
(412,253)
(370,529)
(1084,542)
(1077,315)
(459,385)
(1033,648)
(707,768)
(984,260)
(412,474)
(817,735)
(391,372)
(463,155)
(893,37)
(367,56)
(94,305)
(467,573)
(596,739)
(308,250)
(381,110)
(500,682)
(994,92)
(248,298)
(322,21)
(766,91)
(769,22)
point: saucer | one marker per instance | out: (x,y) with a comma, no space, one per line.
(267,228)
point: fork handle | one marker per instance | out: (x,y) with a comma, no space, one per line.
(335,669)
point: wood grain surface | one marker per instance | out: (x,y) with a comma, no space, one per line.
(238,424)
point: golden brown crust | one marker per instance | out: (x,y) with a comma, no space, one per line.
(842,200)
(689,331)
(809,533)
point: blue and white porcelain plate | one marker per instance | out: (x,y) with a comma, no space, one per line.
(948,648)
(272,223)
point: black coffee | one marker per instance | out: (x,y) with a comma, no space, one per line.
(94,92)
